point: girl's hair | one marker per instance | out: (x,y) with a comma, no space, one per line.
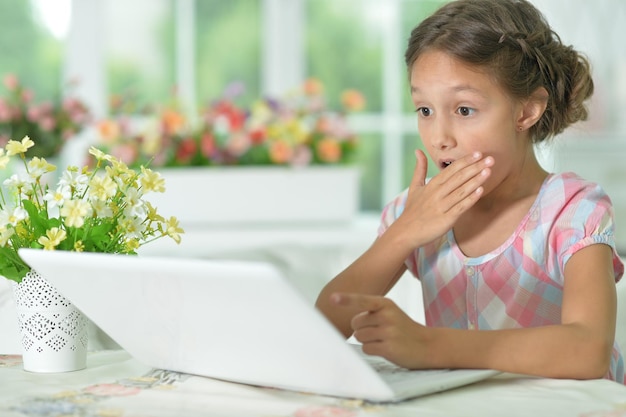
(515,44)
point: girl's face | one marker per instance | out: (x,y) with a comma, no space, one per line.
(461,109)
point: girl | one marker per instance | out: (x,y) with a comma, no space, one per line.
(518,266)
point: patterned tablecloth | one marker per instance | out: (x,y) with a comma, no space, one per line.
(116,385)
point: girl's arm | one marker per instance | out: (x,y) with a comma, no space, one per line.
(373,273)
(430,211)
(580,347)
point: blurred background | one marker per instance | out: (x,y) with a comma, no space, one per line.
(125,56)
(103,50)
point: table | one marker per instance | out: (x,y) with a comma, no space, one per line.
(116,385)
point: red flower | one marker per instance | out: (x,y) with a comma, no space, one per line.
(186,149)
(258,135)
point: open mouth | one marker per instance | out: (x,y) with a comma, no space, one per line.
(445,164)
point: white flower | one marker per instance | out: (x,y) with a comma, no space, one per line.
(16,181)
(101,208)
(58,197)
(133,227)
(16,215)
(137,210)
(132,197)
(74,180)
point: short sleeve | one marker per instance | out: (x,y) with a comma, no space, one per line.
(586,219)
(392,211)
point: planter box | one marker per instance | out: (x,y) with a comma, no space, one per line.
(214,196)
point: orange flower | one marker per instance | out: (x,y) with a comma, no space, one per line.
(313,87)
(280,152)
(172,120)
(353,100)
(329,150)
(109,130)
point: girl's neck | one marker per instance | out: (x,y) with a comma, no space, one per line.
(520,183)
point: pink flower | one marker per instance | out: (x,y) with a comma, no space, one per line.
(5,111)
(47,123)
(33,113)
(302,156)
(126,152)
(324,411)
(27,95)
(11,82)
(115,390)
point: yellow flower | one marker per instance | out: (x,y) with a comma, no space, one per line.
(14,147)
(53,237)
(132,245)
(173,229)
(5,235)
(75,212)
(151,181)
(102,187)
(79,246)
(4,159)
(99,155)
(152,213)
(39,166)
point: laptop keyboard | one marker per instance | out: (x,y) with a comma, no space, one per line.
(395,374)
(391,371)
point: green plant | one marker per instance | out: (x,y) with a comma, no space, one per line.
(102,210)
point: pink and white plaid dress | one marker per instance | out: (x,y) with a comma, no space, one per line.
(519,284)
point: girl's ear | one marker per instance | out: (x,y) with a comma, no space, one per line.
(533,108)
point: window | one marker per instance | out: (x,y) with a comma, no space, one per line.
(32,44)
(201,46)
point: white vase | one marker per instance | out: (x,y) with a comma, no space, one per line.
(53,331)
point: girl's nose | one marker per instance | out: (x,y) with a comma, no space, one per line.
(443,135)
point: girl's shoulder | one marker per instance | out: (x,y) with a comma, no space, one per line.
(569,188)
(392,210)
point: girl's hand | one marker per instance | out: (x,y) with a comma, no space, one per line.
(385,330)
(433,208)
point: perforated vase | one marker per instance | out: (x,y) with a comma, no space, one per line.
(53,331)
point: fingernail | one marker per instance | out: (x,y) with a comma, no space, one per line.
(476,155)
(488,160)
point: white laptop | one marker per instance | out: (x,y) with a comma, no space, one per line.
(230,320)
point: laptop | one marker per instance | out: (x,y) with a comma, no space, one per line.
(230,320)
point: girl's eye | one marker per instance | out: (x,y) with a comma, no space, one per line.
(423,111)
(465,111)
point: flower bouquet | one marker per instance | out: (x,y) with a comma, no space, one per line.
(296,130)
(101,210)
(52,124)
